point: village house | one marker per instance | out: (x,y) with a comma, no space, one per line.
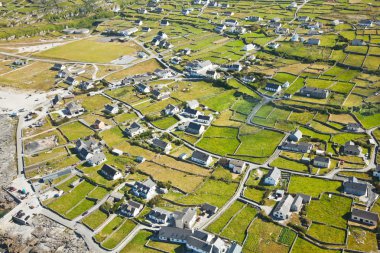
(254,18)
(74,109)
(84,85)
(301,147)
(236,166)
(303,18)
(160,95)
(376,172)
(164,22)
(352,127)
(314,92)
(110,172)
(192,104)
(358,42)
(71,80)
(131,208)
(97,159)
(273,177)
(220,28)
(170,110)
(138,22)
(231,22)
(203,119)
(162,145)
(58,67)
(61,74)
(159,216)
(313,41)
(143,88)
(321,162)
(186,218)
(209,209)
(201,158)
(232,67)
(273,87)
(365,23)
(134,129)
(353,187)
(145,189)
(297,204)
(145,29)
(365,217)
(273,45)
(98,125)
(212,74)
(163,73)
(190,113)
(282,209)
(111,109)
(194,128)
(295,136)
(350,148)
(335,22)
(198,68)
(173,234)
(87,147)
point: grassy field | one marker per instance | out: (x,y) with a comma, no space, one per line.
(312,186)
(109,228)
(76,130)
(113,240)
(289,165)
(332,210)
(240,222)
(91,50)
(165,123)
(140,68)
(287,236)
(213,192)
(361,239)
(254,194)
(95,219)
(220,146)
(302,246)
(257,144)
(327,234)
(263,237)
(138,242)
(217,226)
(83,206)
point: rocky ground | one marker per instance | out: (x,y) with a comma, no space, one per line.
(43,235)
(8,169)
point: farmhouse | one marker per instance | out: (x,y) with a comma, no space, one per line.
(321,162)
(186,218)
(143,88)
(364,217)
(314,92)
(58,67)
(273,87)
(232,67)
(220,28)
(312,41)
(192,104)
(111,109)
(365,23)
(97,159)
(198,68)
(335,22)
(173,234)
(98,125)
(129,32)
(194,128)
(282,209)
(231,22)
(162,145)
(131,208)
(134,129)
(350,148)
(170,110)
(297,204)
(164,22)
(358,42)
(273,177)
(354,187)
(160,95)
(84,85)
(145,189)
(87,148)
(71,80)
(295,136)
(201,158)
(204,119)
(352,127)
(74,109)
(110,172)
(159,216)
(209,209)
(190,113)
(303,18)
(254,18)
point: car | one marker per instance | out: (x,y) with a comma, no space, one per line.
(83,214)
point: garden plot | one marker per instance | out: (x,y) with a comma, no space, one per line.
(312,186)
(75,130)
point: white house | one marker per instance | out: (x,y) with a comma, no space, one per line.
(282,209)
(273,177)
(131,208)
(110,172)
(201,158)
(145,189)
(134,129)
(273,87)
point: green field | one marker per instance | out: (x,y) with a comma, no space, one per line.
(217,226)
(95,219)
(312,186)
(76,130)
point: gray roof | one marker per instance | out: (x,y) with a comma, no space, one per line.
(174,233)
(209,208)
(297,202)
(305,198)
(365,214)
(275,174)
(355,186)
(148,183)
(194,126)
(200,155)
(110,170)
(351,147)
(321,159)
(272,86)
(160,143)
(97,158)
(185,217)
(190,111)
(284,205)
(199,244)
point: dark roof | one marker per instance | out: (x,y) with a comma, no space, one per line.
(160,143)
(321,159)
(174,233)
(199,244)
(204,117)
(305,198)
(272,86)
(209,208)
(109,170)
(351,147)
(361,187)
(365,214)
(200,155)
(190,111)
(313,90)
(194,126)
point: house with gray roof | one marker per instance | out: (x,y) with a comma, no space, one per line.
(110,172)
(186,218)
(170,110)
(194,128)
(74,109)
(352,127)
(145,189)
(203,119)
(353,187)
(111,109)
(313,41)
(350,148)
(314,92)
(295,136)
(209,209)
(87,148)
(190,113)
(143,88)
(134,129)
(160,95)
(162,145)
(131,208)
(273,87)
(201,158)
(301,147)
(282,209)
(174,234)
(297,204)
(97,159)
(365,217)
(273,177)
(321,162)
(160,216)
